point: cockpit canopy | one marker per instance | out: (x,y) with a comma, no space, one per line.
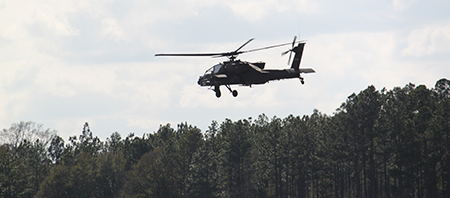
(214,69)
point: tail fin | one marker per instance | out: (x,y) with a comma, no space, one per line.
(298,55)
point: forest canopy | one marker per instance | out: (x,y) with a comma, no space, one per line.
(378,143)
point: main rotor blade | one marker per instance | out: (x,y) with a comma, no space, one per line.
(232,53)
(214,55)
(201,54)
(273,46)
(244,45)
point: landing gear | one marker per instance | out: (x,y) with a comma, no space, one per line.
(302,81)
(218,93)
(217,90)
(234,92)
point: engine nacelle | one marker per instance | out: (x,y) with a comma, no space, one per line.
(261,65)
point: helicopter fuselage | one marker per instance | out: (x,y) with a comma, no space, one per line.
(244,73)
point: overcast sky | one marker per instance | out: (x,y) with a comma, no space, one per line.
(64,63)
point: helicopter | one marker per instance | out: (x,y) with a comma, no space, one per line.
(237,72)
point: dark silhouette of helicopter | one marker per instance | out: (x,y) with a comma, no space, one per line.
(237,72)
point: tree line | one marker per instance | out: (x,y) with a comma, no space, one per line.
(378,143)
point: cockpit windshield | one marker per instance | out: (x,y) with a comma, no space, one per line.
(214,69)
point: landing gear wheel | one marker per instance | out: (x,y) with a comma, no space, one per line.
(302,81)
(235,93)
(217,90)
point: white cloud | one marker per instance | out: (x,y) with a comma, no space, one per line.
(257,10)
(18,16)
(63,79)
(111,28)
(401,5)
(67,62)
(428,40)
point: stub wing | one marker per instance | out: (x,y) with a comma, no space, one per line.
(307,70)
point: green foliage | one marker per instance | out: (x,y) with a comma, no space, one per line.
(388,143)
(165,171)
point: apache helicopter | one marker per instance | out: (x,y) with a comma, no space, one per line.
(237,72)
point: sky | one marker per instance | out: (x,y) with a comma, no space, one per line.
(64,63)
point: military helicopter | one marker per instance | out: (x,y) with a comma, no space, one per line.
(237,72)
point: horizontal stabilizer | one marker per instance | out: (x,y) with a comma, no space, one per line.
(307,70)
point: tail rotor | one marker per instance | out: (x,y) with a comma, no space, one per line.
(290,54)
